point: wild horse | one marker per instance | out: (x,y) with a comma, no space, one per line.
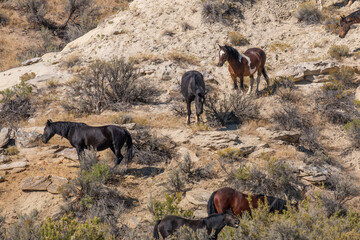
(227,198)
(346,22)
(193,88)
(217,222)
(82,136)
(247,64)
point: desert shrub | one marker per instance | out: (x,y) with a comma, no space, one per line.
(4,20)
(179,110)
(277,180)
(230,156)
(52,83)
(88,197)
(222,11)
(150,149)
(108,85)
(27,76)
(16,103)
(11,151)
(191,173)
(186,233)
(238,39)
(331,24)
(168,207)
(185,26)
(289,118)
(26,228)
(344,76)
(308,13)
(338,51)
(309,222)
(69,228)
(175,182)
(230,109)
(353,129)
(2,227)
(310,138)
(182,57)
(279,46)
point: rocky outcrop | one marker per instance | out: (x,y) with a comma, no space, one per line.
(31,61)
(308,71)
(285,136)
(4,136)
(215,139)
(27,138)
(13,165)
(196,199)
(313,174)
(45,183)
(69,153)
(357,94)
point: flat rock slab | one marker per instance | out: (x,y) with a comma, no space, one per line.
(215,139)
(68,153)
(36,184)
(196,198)
(31,61)
(28,138)
(300,71)
(13,165)
(45,183)
(286,136)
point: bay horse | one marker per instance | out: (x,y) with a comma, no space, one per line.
(193,88)
(217,222)
(226,199)
(346,22)
(82,136)
(247,64)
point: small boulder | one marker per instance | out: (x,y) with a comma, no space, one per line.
(2,179)
(4,159)
(36,184)
(31,61)
(286,136)
(4,137)
(13,165)
(68,153)
(27,138)
(56,182)
(357,94)
(195,199)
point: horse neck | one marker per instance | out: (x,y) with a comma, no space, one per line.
(214,221)
(63,128)
(236,64)
(353,18)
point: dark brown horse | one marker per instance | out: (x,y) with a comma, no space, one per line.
(216,222)
(82,136)
(346,22)
(227,198)
(247,64)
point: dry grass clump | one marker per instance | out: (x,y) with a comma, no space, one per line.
(289,118)
(238,39)
(331,24)
(181,57)
(308,13)
(339,51)
(279,46)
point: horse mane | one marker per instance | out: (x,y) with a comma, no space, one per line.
(232,52)
(62,127)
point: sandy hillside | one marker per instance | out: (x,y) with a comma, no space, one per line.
(151,33)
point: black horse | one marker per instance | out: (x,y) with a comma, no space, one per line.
(82,136)
(193,88)
(217,222)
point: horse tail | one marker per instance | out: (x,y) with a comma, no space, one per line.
(265,76)
(129,145)
(156,231)
(210,205)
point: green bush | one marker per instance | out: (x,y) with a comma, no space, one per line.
(353,129)
(99,173)
(338,51)
(168,207)
(68,228)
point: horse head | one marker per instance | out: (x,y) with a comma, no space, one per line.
(223,56)
(199,100)
(48,132)
(231,220)
(344,27)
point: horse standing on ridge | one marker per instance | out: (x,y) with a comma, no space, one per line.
(193,88)
(82,136)
(346,22)
(247,64)
(217,222)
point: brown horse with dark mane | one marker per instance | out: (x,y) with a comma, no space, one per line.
(346,22)
(247,64)
(227,198)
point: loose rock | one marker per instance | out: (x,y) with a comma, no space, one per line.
(4,137)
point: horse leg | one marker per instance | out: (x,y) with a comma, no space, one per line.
(242,83)
(188,103)
(79,151)
(257,83)
(117,151)
(251,84)
(233,77)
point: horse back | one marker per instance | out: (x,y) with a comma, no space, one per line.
(171,223)
(191,81)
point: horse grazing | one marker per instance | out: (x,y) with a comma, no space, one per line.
(247,64)
(346,22)
(217,222)
(227,198)
(193,88)
(82,136)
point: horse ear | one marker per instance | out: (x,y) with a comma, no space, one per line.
(220,46)
(49,121)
